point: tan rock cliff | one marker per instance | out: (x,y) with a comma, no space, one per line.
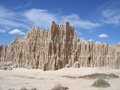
(57,47)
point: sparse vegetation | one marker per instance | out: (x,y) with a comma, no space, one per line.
(33,89)
(59,87)
(99,75)
(101,83)
(23,88)
(95,75)
(11,89)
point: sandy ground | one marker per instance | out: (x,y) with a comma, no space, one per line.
(46,80)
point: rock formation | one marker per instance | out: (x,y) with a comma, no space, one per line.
(57,47)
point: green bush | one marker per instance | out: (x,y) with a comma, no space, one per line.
(101,83)
(59,87)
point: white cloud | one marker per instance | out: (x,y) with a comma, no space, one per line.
(17,31)
(103,36)
(40,17)
(11,23)
(110,12)
(76,21)
(43,18)
(2,31)
(111,16)
(10,18)
(90,40)
(4,13)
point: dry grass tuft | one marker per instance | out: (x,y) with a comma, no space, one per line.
(59,87)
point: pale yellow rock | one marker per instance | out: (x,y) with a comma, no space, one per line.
(59,47)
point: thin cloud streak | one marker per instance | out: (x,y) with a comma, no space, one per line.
(111,16)
(42,18)
(2,31)
(110,12)
(24,6)
(11,19)
(76,21)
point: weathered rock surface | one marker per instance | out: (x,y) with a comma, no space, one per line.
(7,65)
(57,47)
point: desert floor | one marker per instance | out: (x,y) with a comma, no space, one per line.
(46,80)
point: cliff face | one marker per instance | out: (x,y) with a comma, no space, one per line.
(59,47)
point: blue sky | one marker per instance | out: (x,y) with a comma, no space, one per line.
(96,20)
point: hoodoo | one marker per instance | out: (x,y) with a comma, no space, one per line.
(59,47)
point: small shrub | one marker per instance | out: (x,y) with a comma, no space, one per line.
(59,87)
(101,83)
(33,89)
(23,88)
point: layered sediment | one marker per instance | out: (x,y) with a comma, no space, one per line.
(59,47)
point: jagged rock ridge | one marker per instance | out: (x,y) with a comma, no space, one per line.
(59,47)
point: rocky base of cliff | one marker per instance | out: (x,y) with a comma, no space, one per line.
(7,65)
